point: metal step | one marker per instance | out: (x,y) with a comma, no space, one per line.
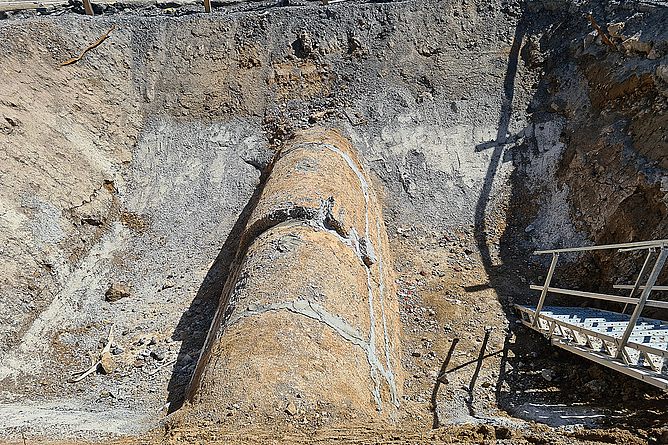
(596,334)
(629,343)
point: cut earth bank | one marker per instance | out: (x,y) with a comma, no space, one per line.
(487,129)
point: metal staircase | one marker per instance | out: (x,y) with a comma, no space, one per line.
(630,344)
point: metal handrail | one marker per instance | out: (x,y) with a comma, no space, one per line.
(630,286)
(623,247)
(639,303)
(606,297)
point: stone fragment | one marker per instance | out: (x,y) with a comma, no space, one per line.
(503,432)
(291,409)
(548,374)
(662,72)
(168,285)
(158,354)
(597,386)
(615,29)
(416,354)
(117,291)
(663,438)
(636,45)
(657,52)
(305,43)
(488,431)
(425,96)
(108,363)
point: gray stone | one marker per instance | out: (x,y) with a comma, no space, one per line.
(597,386)
(548,374)
(117,291)
(158,354)
(662,72)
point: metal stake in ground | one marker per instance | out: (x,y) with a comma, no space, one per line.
(441,379)
(481,356)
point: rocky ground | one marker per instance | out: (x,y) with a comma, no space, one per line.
(490,129)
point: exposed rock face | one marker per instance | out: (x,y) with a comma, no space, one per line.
(137,164)
(311,310)
(614,166)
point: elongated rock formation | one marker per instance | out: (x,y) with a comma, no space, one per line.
(308,317)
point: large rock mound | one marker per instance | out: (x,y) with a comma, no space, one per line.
(309,316)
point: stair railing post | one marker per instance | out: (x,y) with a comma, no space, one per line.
(643,299)
(88,7)
(555,257)
(641,275)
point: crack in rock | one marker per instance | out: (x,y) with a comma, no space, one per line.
(315,311)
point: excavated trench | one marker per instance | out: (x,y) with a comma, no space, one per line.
(308,203)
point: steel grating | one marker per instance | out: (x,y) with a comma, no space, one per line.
(596,334)
(628,343)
